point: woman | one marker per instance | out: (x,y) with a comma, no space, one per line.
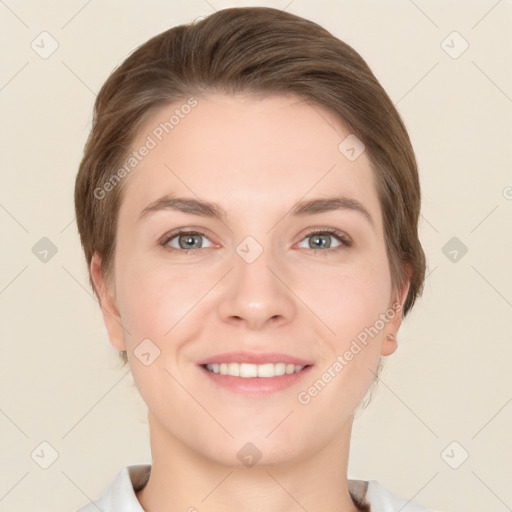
(248,203)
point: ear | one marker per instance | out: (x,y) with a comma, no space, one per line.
(106,296)
(395,315)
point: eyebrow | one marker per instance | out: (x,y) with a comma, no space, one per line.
(211,209)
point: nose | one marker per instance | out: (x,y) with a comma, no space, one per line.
(255,294)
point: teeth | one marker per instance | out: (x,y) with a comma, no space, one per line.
(248,371)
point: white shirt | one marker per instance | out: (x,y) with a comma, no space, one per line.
(120,496)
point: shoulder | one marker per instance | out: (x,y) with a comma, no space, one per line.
(374,495)
(120,493)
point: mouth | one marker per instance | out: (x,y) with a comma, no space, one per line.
(254,374)
(251,371)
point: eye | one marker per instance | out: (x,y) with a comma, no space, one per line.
(322,239)
(191,241)
(187,241)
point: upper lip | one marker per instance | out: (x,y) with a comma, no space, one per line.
(254,358)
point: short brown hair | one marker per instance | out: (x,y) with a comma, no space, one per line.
(261,51)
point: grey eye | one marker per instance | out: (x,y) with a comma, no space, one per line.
(321,241)
(187,241)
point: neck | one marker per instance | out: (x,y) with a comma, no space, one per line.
(182,479)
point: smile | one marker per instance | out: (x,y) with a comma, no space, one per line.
(247,370)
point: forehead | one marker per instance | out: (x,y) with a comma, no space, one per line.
(245,152)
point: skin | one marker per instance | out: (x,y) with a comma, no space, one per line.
(255,158)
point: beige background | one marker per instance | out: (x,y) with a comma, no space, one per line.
(450,379)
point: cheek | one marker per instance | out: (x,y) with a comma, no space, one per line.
(351,304)
(159,305)
(155,299)
(347,299)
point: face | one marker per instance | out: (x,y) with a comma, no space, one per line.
(247,240)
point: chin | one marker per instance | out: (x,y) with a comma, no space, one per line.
(258,450)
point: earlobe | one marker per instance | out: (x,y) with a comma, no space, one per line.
(389,344)
(111,315)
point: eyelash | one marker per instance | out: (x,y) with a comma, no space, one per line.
(339,235)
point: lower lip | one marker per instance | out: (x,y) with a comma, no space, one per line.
(256,385)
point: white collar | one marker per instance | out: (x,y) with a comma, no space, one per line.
(120,494)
